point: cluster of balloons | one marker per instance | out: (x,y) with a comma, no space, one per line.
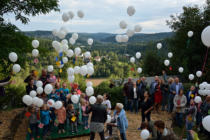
(206,122)
(70,15)
(28,100)
(89,89)
(61,33)
(198,74)
(13,58)
(35,51)
(204,89)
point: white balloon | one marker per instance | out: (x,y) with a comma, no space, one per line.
(33,93)
(208,86)
(190,34)
(65,47)
(198,73)
(75,99)
(131,10)
(71,14)
(64,41)
(35,52)
(13,57)
(70,71)
(198,99)
(144,134)
(170,55)
(48,88)
(90,41)
(139,70)
(83,70)
(71,78)
(65,17)
(166,62)
(50,103)
(80,14)
(89,91)
(123,24)
(89,64)
(40,103)
(64,29)
(27,100)
(92,100)
(118,38)
(76,69)
(191,77)
(87,54)
(39,83)
(72,41)
(137,28)
(55,32)
(90,70)
(202,86)
(77,51)
(56,44)
(35,43)
(70,53)
(181,69)
(201,92)
(165,132)
(159,45)
(130,32)
(138,55)
(61,34)
(50,68)
(75,36)
(16,68)
(132,60)
(89,84)
(35,100)
(58,104)
(205,36)
(124,38)
(65,60)
(39,90)
(206,123)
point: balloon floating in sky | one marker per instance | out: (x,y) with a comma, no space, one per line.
(191,77)
(138,55)
(190,34)
(132,60)
(80,14)
(166,62)
(198,73)
(170,55)
(181,69)
(35,52)
(130,32)
(90,41)
(159,45)
(139,70)
(205,36)
(13,57)
(89,91)
(123,24)
(65,17)
(50,68)
(75,36)
(16,68)
(131,10)
(35,43)
(71,14)
(137,28)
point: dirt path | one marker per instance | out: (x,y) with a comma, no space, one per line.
(96,81)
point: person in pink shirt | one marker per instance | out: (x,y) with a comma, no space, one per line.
(51,79)
(61,117)
(85,116)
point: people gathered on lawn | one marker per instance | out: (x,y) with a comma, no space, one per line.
(163,94)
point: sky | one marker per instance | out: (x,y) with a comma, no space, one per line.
(105,15)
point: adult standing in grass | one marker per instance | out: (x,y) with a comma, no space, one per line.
(127,92)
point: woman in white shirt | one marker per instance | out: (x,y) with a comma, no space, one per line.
(107,103)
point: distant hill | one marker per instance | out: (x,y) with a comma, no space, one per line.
(104,37)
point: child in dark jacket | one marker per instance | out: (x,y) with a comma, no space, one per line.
(33,122)
(45,120)
(72,115)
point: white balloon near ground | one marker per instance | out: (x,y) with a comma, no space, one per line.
(170,55)
(27,100)
(75,99)
(48,88)
(89,91)
(139,70)
(83,70)
(190,34)
(65,17)
(71,78)
(144,134)
(50,68)
(39,90)
(35,52)
(39,83)
(33,93)
(198,73)
(206,123)
(65,60)
(65,47)
(13,57)
(90,70)
(87,54)
(76,69)
(89,64)
(159,45)
(80,14)
(16,68)
(191,77)
(90,41)
(198,99)
(71,15)
(50,103)
(118,38)
(64,41)
(70,71)
(92,100)
(131,10)
(72,41)
(77,51)
(130,32)
(137,28)
(58,104)
(70,53)
(181,69)
(132,60)
(138,55)
(35,44)
(124,38)
(89,84)
(39,103)
(123,24)
(56,44)
(166,62)
(205,36)
(75,36)
(35,100)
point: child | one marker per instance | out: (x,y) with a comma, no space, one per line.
(107,103)
(72,116)
(61,117)
(84,115)
(33,121)
(45,120)
(64,92)
(57,89)
(54,96)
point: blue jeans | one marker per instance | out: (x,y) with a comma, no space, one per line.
(171,102)
(179,119)
(164,101)
(189,126)
(34,130)
(134,105)
(123,136)
(85,121)
(45,129)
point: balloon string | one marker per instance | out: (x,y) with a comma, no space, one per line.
(205,59)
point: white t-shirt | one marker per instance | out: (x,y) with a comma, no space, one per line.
(107,103)
(135,94)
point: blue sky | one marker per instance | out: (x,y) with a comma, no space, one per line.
(105,15)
